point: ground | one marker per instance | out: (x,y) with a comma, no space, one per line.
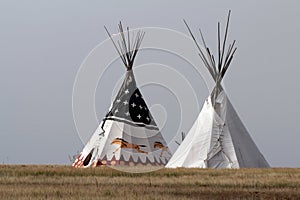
(65,182)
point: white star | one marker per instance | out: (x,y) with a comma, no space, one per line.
(126,91)
(127,113)
(125,102)
(148,118)
(118,100)
(141,107)
(145,108)
(139,116)
(116,110)
(133,105)
(136,94)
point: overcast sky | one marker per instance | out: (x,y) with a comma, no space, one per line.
(43,43)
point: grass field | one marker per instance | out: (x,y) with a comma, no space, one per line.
(64,182)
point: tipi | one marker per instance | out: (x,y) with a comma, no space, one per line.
(128,134)
(218,138)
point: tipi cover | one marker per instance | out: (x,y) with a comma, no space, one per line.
(218,138)
(128,134)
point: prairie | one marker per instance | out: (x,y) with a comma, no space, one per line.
(65,182)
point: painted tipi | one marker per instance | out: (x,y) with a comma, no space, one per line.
(218,138)
(128,134)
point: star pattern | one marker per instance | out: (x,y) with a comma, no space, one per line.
(130,105)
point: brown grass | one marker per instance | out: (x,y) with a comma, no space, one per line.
(54,182)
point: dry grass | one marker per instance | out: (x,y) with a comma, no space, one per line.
(54,182)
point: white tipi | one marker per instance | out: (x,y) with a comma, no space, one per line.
(218,138)
(128,134)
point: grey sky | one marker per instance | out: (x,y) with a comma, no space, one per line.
(43,43)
